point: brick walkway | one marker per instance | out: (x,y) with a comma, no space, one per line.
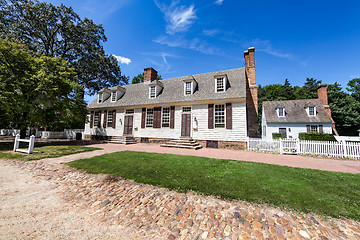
(156,213)
(284,160)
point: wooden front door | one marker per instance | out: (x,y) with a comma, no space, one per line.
(185,125)
(128,125)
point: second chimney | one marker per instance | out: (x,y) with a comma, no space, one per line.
(150,74)
(323,97)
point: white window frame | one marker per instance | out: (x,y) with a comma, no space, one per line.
(113,96)
(314,128)
(109,116)
(283,112)
(150,92)
(100,97)
(149,121)
(219,116)
(217,89)
(165,117)
(186,89)
(96,119)
(314,111)
(186,109)
(129,111)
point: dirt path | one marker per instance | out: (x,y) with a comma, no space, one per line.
(32,208)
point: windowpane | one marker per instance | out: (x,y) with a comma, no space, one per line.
(100,97)
(110,118)
(149,117)
(219,116)
(220,85)
(311,111)
(96,119)
(186,109)
(166,117)
(152,92)
(129,111)
(188,88)
(313,128)
(281,112)
(113,97)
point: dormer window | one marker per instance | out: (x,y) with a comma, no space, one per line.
(188,88)
(113,96)
(281,112)
(100,99)
(152,91)
(220,84)
(312,111)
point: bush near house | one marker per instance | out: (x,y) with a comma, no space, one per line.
(314,136)
(276,135)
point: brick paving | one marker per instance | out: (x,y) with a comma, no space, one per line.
(158,213)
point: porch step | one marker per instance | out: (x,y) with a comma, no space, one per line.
(187,143)
(122,140)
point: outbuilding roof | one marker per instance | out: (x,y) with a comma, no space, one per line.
(295,111)
(173,90)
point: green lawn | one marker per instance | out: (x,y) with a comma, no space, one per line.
(45,152)
(328,193)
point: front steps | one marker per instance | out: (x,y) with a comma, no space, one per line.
(187,143)
(122,140)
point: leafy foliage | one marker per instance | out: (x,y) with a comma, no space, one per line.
(276,135)
(37,91)
(140,78)
(57,31)
(354,88)
(314,136)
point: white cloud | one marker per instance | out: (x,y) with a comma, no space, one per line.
(266,46)
(122,59)
(219,2)
(159,59)
(210,32)
(179,18)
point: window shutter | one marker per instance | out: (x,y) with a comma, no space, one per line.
(172,116)
(143,116)
(157,117)
(105,119)
(321,129)
(91,119)
(228,116)
(211,116)
(114,119)
(307,128)
(99,119)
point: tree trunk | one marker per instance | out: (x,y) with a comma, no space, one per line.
(22,133)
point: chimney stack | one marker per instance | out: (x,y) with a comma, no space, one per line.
(251,93)
(323,97)
(150,74)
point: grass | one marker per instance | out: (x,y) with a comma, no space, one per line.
(322,192)
(45,152)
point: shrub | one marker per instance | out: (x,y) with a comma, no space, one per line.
(314,136)
(276,135)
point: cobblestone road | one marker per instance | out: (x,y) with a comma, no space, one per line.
(156,213)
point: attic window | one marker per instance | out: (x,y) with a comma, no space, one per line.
(220,84)
(188,88)
(152,92)
(100,100)
(312,111)
(281,112)
(113,96)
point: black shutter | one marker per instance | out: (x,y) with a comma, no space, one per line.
(321,129)
(99,119)
(105,119)
(114,119)
(307,128)
(143,116)
(211,116)
(157,117)
(172,116)
(228,116)
(91,119)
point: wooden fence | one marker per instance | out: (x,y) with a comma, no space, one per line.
(343,149)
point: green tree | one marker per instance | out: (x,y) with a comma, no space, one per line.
(57,31)
(354,88)
(140,78)
(37,91)
(309,90)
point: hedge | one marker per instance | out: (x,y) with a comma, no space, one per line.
(276,135)
(314,136)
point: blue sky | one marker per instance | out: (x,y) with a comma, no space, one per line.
(292,39)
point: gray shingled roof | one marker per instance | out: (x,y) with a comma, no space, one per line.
(173,91)
(295,111)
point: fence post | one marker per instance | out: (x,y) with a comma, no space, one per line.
(248,143)
(281,146)
(31,144)
(297,146)
(344,148)
(16,143)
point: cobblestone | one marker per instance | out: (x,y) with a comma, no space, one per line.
(160,212)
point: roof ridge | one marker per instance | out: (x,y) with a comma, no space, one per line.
(292,100)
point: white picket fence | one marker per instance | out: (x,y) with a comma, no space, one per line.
(341,149)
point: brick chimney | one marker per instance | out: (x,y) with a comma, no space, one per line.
(251,93)
(323,97)
(150,74)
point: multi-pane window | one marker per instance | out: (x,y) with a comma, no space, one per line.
(152,92)
(149,117)
(187,88)
(186,109)
(129,111)
(220,85)
(281,112)
(166,117)
(312,111)
(100,98)
(110,118)
(113,96)
(96,119)
(313,128)
(219,116)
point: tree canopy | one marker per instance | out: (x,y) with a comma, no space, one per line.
(37,91)
(57,31)
(140,78)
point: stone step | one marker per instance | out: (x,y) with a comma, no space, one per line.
(122,140)
(182,143)
(181,146)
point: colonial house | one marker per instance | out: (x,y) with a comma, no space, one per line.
(291,117)
(216,109)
